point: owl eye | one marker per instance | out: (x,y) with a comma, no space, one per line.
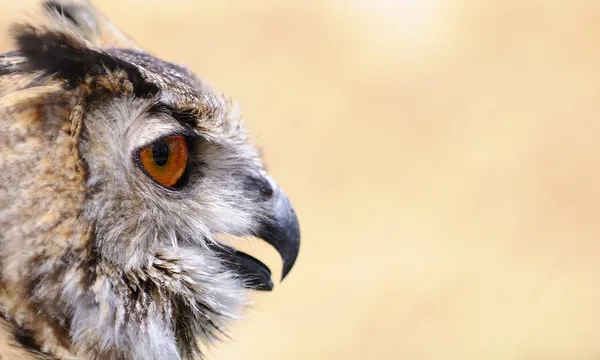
(166,159)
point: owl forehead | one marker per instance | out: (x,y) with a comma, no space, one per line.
(184,91)
(165,75)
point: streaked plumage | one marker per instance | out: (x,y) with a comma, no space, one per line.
(98,260)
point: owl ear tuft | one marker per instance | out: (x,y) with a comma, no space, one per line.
(68,12)
(86,20)
(63,55)
(58,54)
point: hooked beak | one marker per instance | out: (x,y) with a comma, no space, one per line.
(279,228)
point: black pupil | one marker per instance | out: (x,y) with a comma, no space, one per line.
(160,152)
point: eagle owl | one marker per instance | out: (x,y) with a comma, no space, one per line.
(118,170)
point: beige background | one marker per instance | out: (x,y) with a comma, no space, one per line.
(443,159)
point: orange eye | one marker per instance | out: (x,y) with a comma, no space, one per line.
(165,160)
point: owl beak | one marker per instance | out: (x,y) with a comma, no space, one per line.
(279,228)
(282,231)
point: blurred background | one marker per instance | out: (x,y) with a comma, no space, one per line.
(442,157)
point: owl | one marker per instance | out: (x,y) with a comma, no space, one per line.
(118,171)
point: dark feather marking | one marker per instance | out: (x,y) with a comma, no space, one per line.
(10,54)
(65,57)
(22,337)
(8,64)
(56,318)
(185,117)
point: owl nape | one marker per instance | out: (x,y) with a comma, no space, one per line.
(119,171)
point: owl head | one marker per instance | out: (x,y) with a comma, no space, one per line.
(119,170)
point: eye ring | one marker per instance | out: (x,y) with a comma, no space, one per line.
(165,160)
